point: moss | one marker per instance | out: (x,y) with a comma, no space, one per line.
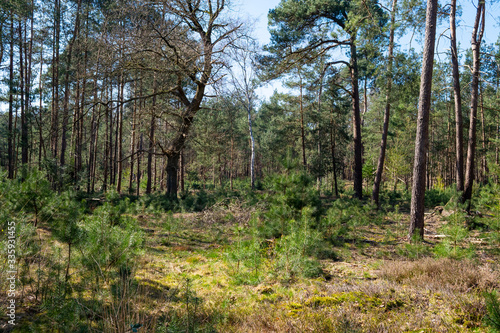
(394,304)
(360,299)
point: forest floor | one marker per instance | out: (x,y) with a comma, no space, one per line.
(374,282)
(195,276)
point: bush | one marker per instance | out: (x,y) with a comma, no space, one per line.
(108,245)
(294,252)
(492,318)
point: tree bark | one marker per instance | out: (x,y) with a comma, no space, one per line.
(54,130)
(172,168)
(459,132)
(151,140)
(422,137)
(477,35)
(132,144)
(120,136)
(334,166)
(10,149)
(302,129)
(139,155)
(23,102)
(387,113)
(484,163)
(252,148)
(65,116)
(182,162)
(356,119)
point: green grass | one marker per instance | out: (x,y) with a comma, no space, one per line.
(294,262)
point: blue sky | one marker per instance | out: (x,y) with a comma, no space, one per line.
(257,10)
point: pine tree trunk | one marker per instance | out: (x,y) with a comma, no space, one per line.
(29,59)
(150,153)
(67,91)
(485,170)
(10,149)
(54,131)
(477,36)
(139,155)
(151,140)
(459,132)
(302,129)
(40,107)
(132,147)
(120,136)
(334,167)
(358,146)
(387,113)
(422,137)
(23,102)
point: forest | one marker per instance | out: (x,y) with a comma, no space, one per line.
(148,185)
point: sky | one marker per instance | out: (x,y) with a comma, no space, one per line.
(256,12)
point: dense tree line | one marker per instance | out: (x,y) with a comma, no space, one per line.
(143,96)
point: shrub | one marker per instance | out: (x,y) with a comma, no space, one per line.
(492,318)
(294,252)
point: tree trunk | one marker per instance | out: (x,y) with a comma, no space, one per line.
(10,149)
(150,153)
(67,91)
(151,140)
(459,132)
(139,155)
(477,35)
(40,127)
(182,162)
(484,164)
(334,167)
(172,169)
(120,136)
(23,102)
(132,145)
(358,146)
(422,137)
(302,129)
(55,81)
(252,148)
(385,130)
(106,145)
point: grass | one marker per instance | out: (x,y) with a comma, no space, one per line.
(198,272)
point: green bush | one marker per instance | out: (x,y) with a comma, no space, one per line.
(492,318)
(107,245)
(294,253)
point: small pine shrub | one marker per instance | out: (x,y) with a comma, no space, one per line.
(456,232)
(247,253)
(106,245)
(294,253)
(416,249)
(439,197)
(492,318)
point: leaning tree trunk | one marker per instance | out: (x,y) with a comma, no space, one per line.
(477,35)
(459,132)
(387,114)
(422,138)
